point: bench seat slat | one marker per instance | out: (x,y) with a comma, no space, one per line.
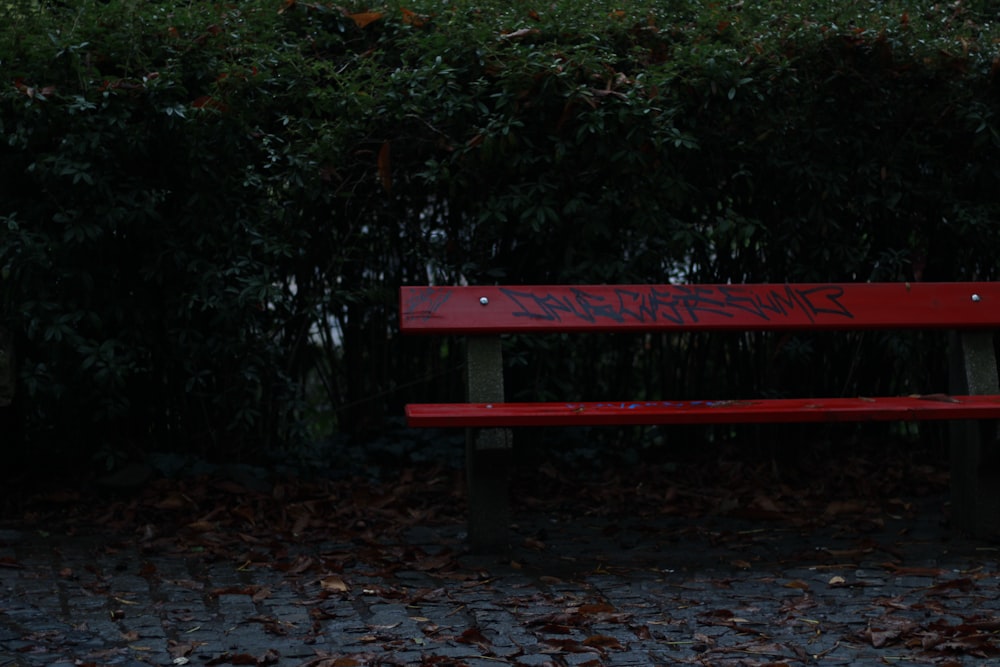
(742,307)
(609,413)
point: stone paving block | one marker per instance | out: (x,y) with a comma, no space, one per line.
(659,616)
(520,638)
(535,660)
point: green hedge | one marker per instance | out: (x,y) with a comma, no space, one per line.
(208,208)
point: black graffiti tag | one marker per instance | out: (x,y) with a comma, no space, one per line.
(681,304)
(424,304)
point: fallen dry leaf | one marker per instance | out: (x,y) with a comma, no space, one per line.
(364,18)
(474,636)
(932,572)
(603,641)
(334,583)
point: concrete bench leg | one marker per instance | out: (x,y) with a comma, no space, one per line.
(487,451)
(975,446)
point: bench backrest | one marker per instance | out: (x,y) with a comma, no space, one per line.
(567,308)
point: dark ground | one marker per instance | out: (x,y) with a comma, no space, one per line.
(834,555)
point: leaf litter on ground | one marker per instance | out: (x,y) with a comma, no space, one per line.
(263,526)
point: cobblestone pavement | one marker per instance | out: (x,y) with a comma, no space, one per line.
(590,591)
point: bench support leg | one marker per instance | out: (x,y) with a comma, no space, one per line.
(488,450)
(975,448)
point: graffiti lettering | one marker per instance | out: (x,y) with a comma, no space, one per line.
(553,308)
(826,301)
(423,304)
(681,304)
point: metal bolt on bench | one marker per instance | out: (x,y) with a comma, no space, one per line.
(482,314)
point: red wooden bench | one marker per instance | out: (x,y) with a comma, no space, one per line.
(483,314)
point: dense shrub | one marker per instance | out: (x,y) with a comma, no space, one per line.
(207,208)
